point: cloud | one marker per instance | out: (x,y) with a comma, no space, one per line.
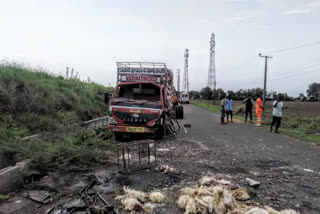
(295,12)
(314,4)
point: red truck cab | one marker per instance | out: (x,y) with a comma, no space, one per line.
(140,98)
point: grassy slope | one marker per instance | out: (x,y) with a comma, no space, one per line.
(292,126)
(33,101)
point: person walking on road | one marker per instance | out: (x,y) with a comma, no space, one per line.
(229,108)
(223,109)
(259,109)
(277,113)
(249,106)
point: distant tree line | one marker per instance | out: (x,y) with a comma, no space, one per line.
(313,94)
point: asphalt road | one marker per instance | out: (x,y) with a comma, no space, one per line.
(248,143)
(288,168)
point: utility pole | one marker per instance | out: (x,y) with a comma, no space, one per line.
(178,80)
(265,79)
(186,72)
(212,67)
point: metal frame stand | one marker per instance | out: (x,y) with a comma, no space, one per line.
(125,162)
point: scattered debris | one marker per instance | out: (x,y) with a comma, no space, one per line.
(165,169)
(39,196)
(187,125)
(102,199)
(75,204)
(253,183)
(49,210)
(103,210)
(209,180)
(163,150)
(152,158)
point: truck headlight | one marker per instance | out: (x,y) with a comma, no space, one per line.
(112,121)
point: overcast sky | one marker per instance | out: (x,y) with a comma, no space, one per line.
(91,35)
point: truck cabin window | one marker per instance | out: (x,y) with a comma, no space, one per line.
(147,92)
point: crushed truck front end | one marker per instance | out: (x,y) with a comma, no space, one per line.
(136,108)
(139,100)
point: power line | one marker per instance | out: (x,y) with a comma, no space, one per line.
(293,71)
(287,49)
(294,75)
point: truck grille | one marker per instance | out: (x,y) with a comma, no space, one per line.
(127,118)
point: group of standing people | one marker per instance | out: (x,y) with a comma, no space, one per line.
(226,108)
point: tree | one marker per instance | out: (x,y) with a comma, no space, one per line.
(194,94)
(313,91)
(218,93)
(302,97)
(206,93)
(240,95)
(230,92)
(286,97)
(272,95)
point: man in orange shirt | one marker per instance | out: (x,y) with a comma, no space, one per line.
(259,109)
(174,100)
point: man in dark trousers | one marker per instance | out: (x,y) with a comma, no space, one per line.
(249,106)
(277,113)
(229,108)
(223,109)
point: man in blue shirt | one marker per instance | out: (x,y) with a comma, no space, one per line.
(223,109)
(229,108)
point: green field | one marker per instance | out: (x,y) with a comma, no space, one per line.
(300,120)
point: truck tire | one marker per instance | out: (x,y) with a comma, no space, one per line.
(118,136)
(179,112)
(160,131)
(187,102)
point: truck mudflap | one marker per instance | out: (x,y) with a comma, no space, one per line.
(131,129)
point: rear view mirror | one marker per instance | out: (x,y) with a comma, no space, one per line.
(106,98)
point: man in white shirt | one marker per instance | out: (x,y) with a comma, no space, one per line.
(223,109)
(277,113)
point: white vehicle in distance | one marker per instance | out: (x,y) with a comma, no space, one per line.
(184,97)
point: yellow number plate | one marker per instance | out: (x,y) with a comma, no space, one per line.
(135,129)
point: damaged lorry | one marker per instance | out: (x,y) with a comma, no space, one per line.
(142,99)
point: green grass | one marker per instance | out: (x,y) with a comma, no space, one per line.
(294,126)
(3,197)
(35,101)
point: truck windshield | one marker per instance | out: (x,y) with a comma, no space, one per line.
(147,92)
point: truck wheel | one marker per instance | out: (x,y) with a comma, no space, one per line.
(118,136)
(179,112)
(160,131)
(187,102)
